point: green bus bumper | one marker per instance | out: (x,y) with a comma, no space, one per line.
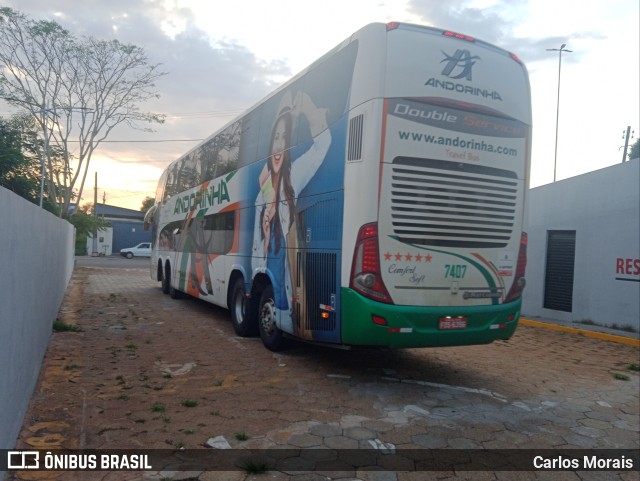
(418,326)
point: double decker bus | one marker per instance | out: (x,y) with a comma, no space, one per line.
(376,198)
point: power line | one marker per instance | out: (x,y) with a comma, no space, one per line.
(141,141)
(203,115)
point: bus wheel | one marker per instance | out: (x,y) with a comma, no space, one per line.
(271,336)
(242,319)
(174,293)
(166,279)
(167,288)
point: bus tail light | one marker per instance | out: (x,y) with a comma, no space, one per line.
(459,36)
(519,281)
(392,26)
(516,58)
(366,276)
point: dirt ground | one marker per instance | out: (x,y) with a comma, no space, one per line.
(147,371)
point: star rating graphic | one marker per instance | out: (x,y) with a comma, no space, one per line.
(398,256)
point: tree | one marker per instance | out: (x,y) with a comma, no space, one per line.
(77,90)
(147,203)
(20,159)
(18,165)
(635,150)
(86,223)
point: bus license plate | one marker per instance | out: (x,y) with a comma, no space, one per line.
(447,323)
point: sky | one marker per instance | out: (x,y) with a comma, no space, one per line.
(224,56)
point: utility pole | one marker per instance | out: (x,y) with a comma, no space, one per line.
(559,50)
(45,152)
(95,216)
(626,143)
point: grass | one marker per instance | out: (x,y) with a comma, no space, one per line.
(61,326)
(158,408)
(242,436)
(617,327)
(634,367)
(255,468)
(586,322)
(189,403)
(114,350)
(625,327)
(620,377)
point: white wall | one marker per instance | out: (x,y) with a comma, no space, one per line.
(105,242)
(603,207)
(36,263)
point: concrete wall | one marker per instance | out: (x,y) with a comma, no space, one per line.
(104,243)
(36,263)
(603,207)
(128,233)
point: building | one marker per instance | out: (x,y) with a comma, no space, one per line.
(126,230)
(584,248)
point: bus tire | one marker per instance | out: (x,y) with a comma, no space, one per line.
(243,320)
(174,293)
(166,279)
(272,337)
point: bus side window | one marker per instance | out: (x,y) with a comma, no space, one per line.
(188,174)
(219,232)
(161,187)
(249,134)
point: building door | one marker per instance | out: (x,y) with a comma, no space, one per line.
(558,282)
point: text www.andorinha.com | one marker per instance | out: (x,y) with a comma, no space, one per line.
(457,142)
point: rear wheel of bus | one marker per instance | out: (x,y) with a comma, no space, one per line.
(272,337)
(243,316)
(166,279)
(167,288)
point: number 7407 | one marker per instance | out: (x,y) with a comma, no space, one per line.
(455,271)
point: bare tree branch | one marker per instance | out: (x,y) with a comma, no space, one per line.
(76,89)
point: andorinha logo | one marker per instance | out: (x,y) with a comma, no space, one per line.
(462,60)
(459,66)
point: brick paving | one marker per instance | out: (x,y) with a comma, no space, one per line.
(147,371)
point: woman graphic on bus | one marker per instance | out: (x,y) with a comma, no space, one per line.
(281,179)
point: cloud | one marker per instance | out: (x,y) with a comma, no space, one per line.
(499,24)
(490,24)
(212,78)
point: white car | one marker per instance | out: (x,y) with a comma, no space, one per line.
(141,250)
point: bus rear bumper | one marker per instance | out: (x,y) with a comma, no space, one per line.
(369,323)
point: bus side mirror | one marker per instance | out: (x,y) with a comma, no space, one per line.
(149,217)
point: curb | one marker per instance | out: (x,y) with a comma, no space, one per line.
(629,341)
